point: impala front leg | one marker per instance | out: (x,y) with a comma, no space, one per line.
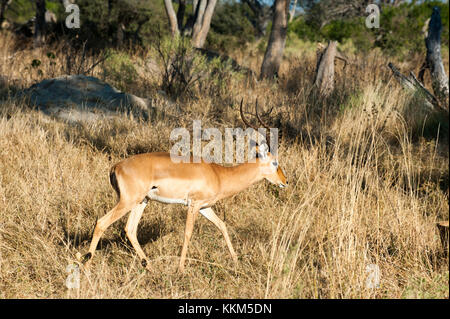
(191,216)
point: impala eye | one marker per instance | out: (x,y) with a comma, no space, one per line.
(275,164)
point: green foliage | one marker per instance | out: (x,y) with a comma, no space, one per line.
(400,31)
(353,100)
(182,68)
(20,11)
(220,74)
(53,6)
(294,46)
(304,30)
(401,27)
(230,29)
(189,73)
(142,22)
(423,287)
(119,68)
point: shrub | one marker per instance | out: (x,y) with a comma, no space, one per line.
(119,68)
(182,67)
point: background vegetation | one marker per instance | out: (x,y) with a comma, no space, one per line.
(368,170)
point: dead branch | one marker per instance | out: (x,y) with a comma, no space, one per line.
(412,84)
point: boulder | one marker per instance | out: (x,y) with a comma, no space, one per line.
(83,98)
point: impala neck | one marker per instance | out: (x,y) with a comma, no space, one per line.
(237,178)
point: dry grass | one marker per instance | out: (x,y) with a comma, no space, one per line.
(365,188)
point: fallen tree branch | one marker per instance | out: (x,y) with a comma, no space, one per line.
(414,85)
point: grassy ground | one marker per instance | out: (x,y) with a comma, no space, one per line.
(368,182)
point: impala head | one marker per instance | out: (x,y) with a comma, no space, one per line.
(268,162)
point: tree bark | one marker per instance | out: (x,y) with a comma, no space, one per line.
(277,41)
(65,3)
(197,25)
(199,36)
(187,29)
(180,14)
(439,80)
(39,25)
(443,233)
(325,69)
(262,16)
(172,17)
(3,6)
(292,12)
(200,11)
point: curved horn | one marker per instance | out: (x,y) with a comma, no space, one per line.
(259,118)
(243,118)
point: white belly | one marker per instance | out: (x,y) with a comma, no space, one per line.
(153,195)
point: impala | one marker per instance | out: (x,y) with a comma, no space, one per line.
(153,176)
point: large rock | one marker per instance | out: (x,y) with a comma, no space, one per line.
(83,98)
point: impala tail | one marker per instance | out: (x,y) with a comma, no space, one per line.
(113,180)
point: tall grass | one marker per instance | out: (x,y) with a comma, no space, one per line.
(366,188)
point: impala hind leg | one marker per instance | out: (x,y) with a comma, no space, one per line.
(131,230)
(102,224)
(211,216)
(191,216)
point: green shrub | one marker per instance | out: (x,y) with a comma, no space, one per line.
(230,29)
(303,30)
(400,33)
(182,66)
(119,69)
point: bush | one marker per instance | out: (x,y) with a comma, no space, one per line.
(230,28)
(401,27)
(182,67)
(304,30)
(400,31)
(119,68)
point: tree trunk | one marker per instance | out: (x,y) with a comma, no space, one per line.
(277,41)
(325,69)
(3,6)
(197,24)
(199,13)
(39,25)
(439,80)
(199,35)
(292,12)
(187,29)
(65,3)
(120,35)
(443,233)
(180,14)
(262,16)
(172,17)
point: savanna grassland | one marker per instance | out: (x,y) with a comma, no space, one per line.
(367,168)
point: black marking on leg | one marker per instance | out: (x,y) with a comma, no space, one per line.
(87,257)
(144,263)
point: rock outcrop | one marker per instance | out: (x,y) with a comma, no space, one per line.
(83,98)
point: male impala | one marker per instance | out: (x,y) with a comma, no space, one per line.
(197,185)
